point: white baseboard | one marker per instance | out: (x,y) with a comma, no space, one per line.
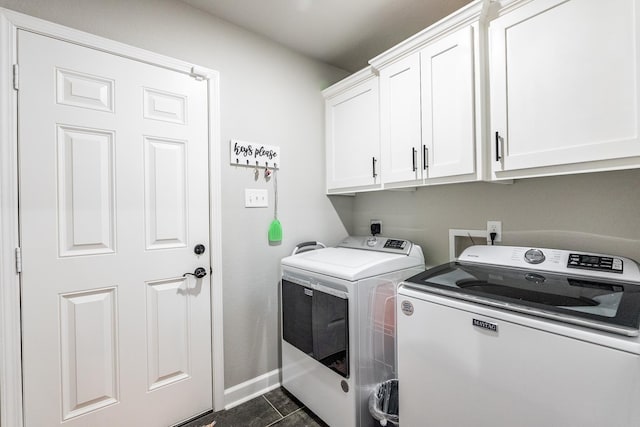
(243,392)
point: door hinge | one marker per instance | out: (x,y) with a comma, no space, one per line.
(16,77)
(18,260)
(199,73)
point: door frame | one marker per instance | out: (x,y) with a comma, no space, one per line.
(11,413)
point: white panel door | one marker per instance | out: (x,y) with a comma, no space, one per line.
(448,129)
(353,137)
(565,83)
(113,198)
(400,137)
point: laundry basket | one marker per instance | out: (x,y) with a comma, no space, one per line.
(383,403)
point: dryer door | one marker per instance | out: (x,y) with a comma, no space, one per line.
(296,316)
(331,331)
(317,323)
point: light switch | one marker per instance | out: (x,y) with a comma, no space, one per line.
(256,198)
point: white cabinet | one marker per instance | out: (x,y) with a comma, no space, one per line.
(448,111)
(565,87)
(400,127)
(430,102)
(353,134)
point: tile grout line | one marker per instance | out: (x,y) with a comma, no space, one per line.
(271,404)
(287,416)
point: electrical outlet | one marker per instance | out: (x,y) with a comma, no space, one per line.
(494,227)
(255,198)
(376,226)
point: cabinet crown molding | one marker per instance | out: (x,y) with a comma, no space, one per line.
(349,82)
(471,13)
(500,7)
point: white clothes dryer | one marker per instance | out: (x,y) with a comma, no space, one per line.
(338,323)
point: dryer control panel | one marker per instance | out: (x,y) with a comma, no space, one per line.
(377,243)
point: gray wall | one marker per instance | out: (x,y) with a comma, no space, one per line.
(590,212)
(268,95)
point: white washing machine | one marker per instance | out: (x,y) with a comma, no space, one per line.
(338,323)
(512,336)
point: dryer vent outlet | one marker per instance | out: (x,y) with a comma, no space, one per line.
(376,227)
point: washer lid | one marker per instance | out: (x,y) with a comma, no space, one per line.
(353,264)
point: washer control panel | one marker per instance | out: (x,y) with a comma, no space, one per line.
(595,262)
(568,262)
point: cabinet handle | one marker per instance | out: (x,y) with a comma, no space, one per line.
(498,157)
(373,166)
(425,159)
(413,158)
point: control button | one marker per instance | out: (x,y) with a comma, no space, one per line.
(617,264)
(534,256)
(371,241)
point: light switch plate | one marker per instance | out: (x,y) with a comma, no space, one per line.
(256,198)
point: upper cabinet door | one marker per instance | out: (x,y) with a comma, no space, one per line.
(400,137)
(448,130)
(564,86)
(353,137)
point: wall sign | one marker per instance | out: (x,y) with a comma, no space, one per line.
(255,155)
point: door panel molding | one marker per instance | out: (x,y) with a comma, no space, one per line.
(84,90)
(89,350)
(86,191)
(10,332)
(167,363)
(165,193)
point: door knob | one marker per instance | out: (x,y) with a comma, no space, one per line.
(199,273)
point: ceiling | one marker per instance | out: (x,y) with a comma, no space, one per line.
(343,33)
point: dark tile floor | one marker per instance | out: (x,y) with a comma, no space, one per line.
(276,408)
